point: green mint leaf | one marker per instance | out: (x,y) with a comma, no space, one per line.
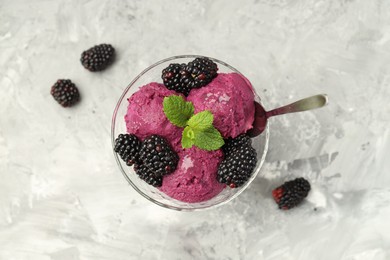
(177,110)
(208,139)
(201,120)
(187,138)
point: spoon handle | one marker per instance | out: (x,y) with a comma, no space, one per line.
(305,104)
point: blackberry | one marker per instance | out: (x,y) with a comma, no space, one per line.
(232,144)
(98,57)
(127,146)
(202,71)
(175,78)
(157,155)
(238,165)
(291,193)
(65,92)
(147,175)
(184,77)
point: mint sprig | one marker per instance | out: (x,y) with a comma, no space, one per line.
(208,139)
(177,110)
(201,120)
(198,128)
(188,137)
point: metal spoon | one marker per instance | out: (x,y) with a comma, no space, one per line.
(261,116)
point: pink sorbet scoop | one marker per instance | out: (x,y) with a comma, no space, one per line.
(230,98)
(145,115)
(195,178)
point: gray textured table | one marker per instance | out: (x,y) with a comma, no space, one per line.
(62,195)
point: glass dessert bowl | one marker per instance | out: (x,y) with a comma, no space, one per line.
(153,194)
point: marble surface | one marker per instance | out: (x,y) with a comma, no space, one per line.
(62,196)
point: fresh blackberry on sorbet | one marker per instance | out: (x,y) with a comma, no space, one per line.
(184,77)
(232,144)
(128,146)
(238,165)
(147,175)
(157,155)
(176,78)
(65,92)
(291,193)
(98,57)
(202,70)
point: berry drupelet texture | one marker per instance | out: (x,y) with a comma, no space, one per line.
(157,155)
(98,57)
(291,193)
(232,144)
(239,163)
(152,159)
(65,92)
(128,146)
(176,78)
(184,77)
(147,175)
(202,70)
